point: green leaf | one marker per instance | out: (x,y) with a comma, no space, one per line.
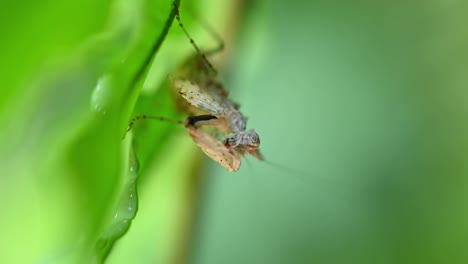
(66,111)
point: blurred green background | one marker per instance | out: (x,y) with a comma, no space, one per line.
(361,107)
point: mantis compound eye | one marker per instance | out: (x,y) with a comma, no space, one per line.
(251,140)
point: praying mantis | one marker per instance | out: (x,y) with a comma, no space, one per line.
(198,85)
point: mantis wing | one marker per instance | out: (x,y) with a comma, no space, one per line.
(192,93)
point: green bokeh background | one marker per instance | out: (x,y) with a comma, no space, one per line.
(361,106)
(370,100)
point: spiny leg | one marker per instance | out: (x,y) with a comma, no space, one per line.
(196,121)
(192,42)
(218,124)
(160,118)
